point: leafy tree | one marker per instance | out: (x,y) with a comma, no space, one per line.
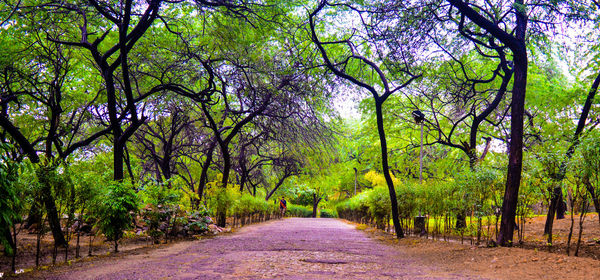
(350,63)
(590,152)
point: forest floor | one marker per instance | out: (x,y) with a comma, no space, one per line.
(300,248)
(26,254)
(590,238)
(533,237)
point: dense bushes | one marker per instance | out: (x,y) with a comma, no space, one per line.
(326,213)
(247,209)
(379,205)
(472,194)
(162,209)
(299,211)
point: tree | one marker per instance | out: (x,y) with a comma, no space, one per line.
(114,59)
(39,80)
(514,39)
(169,139)
(380,88)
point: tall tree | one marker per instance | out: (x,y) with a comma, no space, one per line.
(513,36)
(380,88)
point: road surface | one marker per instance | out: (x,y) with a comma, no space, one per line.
(293,248)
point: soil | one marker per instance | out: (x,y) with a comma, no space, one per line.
(534,238)
(493,262)
(26,253)
(301,248)
(590,239)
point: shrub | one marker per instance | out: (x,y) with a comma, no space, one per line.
(379,204)
(114,215)
(248,205)
(299,211)
(10,201)
(220,199)
(162,208)
(326,213)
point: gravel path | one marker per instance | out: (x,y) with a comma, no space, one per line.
(293,248)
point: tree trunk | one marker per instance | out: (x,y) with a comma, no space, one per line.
(595,197)
(51,212)
(315,205)
(386,169)
(204,174)
(118,157)
(5,229)
(222,209)
(34,216)
(515,160)
(555,197)
(581,219)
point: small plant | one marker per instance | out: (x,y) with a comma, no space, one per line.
(162,208)
(115,214)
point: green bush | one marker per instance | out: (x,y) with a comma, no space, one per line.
(161,208)
(221,200)
(10,201)
(379,204)
(354,208)
(248,205)
(115,214)
(299,211)
(407,195)
(326,213)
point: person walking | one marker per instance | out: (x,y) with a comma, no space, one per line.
(282,206)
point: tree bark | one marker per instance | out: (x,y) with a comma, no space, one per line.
(204,174)
(386,169)
(222,211)
(556,198)
(515,160)
(51,212)
(594,196)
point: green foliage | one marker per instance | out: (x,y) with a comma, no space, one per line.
(248,205)
(11,202)
(157,193)
(299,211)
(327,213)
(590,155)
(221,199)
(199,220)
(115,214)
(406,194)
(355,207)
(162,207)
(379,204)
(473,191)
(302,196)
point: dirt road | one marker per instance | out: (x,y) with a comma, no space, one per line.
(293,248)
